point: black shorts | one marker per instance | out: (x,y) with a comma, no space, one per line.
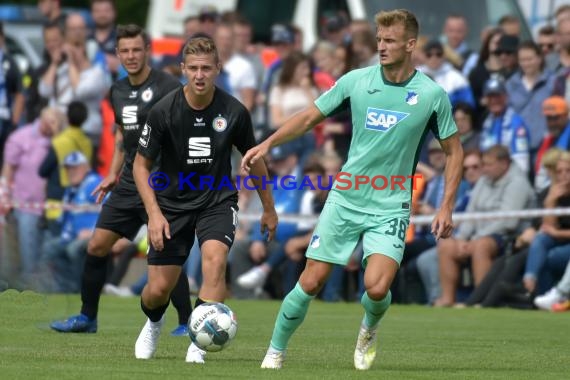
(123,221)
(215,223)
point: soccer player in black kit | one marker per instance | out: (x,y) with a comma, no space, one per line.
(193,130)
(123,212)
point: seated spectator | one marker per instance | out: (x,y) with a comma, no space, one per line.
(427,262)
(502,286)
(503,126)
(254,258)
(62,256)
(503,187)
(556,299)
(463,116)
(528,87)
(549,251)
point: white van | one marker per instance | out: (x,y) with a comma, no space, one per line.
(166,20)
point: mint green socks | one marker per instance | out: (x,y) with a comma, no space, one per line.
(291,314)
(374,310)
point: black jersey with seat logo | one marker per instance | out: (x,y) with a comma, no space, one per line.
(131,105)
(195,148)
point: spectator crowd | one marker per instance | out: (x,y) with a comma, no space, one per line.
(510,103)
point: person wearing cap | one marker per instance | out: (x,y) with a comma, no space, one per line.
(335,28)
(504,126)
(209,18)
(62,256)
(555,110)
(444,74)
(384,140)
(193,131)
(528,87)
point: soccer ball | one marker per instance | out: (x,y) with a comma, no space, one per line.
(212,326)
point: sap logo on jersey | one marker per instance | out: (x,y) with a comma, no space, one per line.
(382,120)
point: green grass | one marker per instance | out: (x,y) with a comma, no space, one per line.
(416,342)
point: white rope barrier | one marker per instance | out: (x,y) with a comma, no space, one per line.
(293,218)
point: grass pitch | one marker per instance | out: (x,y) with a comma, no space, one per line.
(416,342)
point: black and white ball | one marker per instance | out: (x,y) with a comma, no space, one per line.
(212,326)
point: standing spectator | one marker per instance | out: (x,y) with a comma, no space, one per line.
(455,31)
(243,32)
(51,10)
(528,88)
(53,41)
(336,28)
(504,126)
(11,96)
(444,74)
(241,75)
(507,53)
(364,49)
(209,18)
(560,61)
(104,15)
(71,76)
(503,187)
(294,92)
(283,41)
(20,183)
(487,65)
(546,39)
(510,25)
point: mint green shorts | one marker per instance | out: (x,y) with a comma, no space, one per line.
(340,228)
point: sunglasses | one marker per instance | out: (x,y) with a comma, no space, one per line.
(501,52)
(553,117)
(474,167)
(437,54)
(548,46)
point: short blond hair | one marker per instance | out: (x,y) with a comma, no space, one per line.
(201,45)
(551,157)
(399,16)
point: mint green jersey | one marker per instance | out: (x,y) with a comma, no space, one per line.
(389,124)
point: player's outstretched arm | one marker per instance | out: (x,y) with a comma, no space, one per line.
(295,126)
(269,217)
(157,223)
(116,164)
(442,225)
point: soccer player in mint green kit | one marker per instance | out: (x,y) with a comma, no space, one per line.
(393,107)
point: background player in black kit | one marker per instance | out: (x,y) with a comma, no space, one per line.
(123,212)
(193,130)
